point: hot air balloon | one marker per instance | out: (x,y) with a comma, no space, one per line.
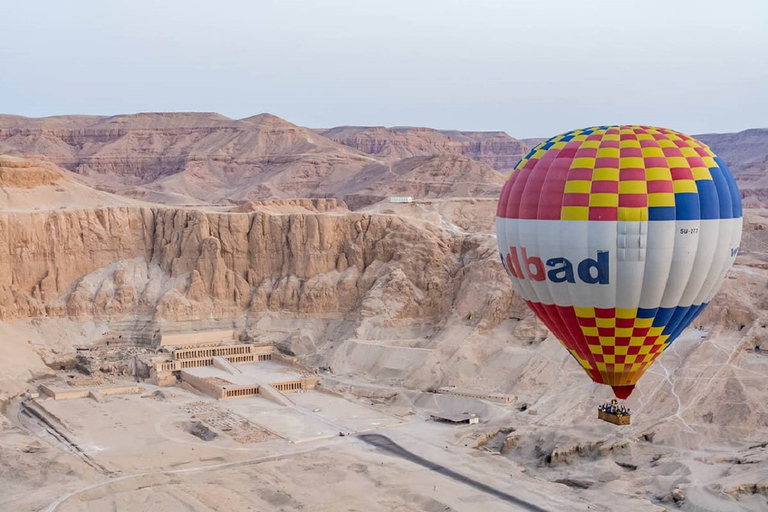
(617,237)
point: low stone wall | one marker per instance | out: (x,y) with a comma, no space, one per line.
(68,394)
(202,385)
(120,390)
(196,338)
(60,394)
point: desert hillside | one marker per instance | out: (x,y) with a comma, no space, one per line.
(740,150)
(31,184)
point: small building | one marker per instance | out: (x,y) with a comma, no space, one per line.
(456,418)
(407,199)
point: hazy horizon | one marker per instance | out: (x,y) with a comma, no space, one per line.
(531,69)
(439,128)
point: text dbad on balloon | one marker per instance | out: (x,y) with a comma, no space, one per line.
(558,270)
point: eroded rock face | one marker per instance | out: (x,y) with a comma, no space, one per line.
(181,264)
(44,254)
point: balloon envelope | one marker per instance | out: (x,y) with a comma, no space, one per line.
(617,237)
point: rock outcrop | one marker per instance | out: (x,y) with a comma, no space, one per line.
(23,173)
(33,184)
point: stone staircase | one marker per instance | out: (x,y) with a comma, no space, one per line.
(225,366)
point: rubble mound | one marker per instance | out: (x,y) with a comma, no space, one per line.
(199,430)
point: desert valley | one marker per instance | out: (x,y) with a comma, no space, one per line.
(142,255)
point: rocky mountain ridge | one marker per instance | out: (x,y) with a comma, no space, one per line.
(207,158)
(495,149)
(199,158)
(742,151)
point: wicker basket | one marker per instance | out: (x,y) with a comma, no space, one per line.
(613,418)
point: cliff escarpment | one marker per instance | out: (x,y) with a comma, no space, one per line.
(183,264)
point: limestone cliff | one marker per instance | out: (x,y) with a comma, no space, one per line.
(182,264)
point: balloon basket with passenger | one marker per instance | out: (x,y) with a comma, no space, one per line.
(614,413)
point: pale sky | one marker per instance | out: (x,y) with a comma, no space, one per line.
(529,67)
